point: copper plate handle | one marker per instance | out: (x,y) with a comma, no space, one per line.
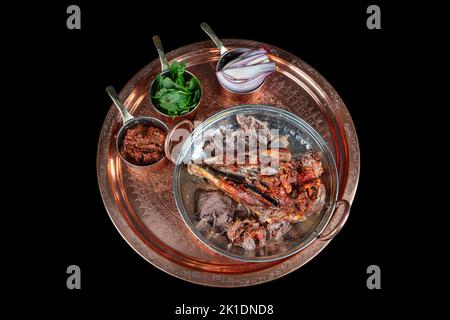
(167,143)
(341,222)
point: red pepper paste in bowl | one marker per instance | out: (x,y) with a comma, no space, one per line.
(143,145)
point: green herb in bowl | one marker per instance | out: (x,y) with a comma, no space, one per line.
(176,91)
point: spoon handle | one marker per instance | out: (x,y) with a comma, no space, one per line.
(126,116)
(214,38)
(162,56)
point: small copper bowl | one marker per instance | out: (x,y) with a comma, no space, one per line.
(187,76)
(146,122)
(226,55)
(164,73)
(129,122)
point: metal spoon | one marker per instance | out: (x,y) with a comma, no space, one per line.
(214,38)
(160,50)
(126,116)
(225,54)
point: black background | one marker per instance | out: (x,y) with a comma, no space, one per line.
(114,43)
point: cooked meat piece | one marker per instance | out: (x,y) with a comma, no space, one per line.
(248,122)
(215,208)
(242,212)
(278,229)
(247,243)
(247,233)
(234,190)
(311,167)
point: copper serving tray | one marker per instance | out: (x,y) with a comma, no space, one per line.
(142,206)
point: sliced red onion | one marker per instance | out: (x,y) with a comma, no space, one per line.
(249,61)
(242,87)
(246,54)
(252,53)
(246,72)
(228,78)
(249,72)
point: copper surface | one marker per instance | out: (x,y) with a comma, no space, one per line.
(142,206)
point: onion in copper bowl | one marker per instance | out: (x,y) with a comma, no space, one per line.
(245,70)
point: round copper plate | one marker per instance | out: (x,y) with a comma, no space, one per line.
(142,206)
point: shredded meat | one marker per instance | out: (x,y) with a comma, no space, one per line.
(216,209)
(256,203)
(247,233)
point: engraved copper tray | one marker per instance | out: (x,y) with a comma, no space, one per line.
(142,206)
